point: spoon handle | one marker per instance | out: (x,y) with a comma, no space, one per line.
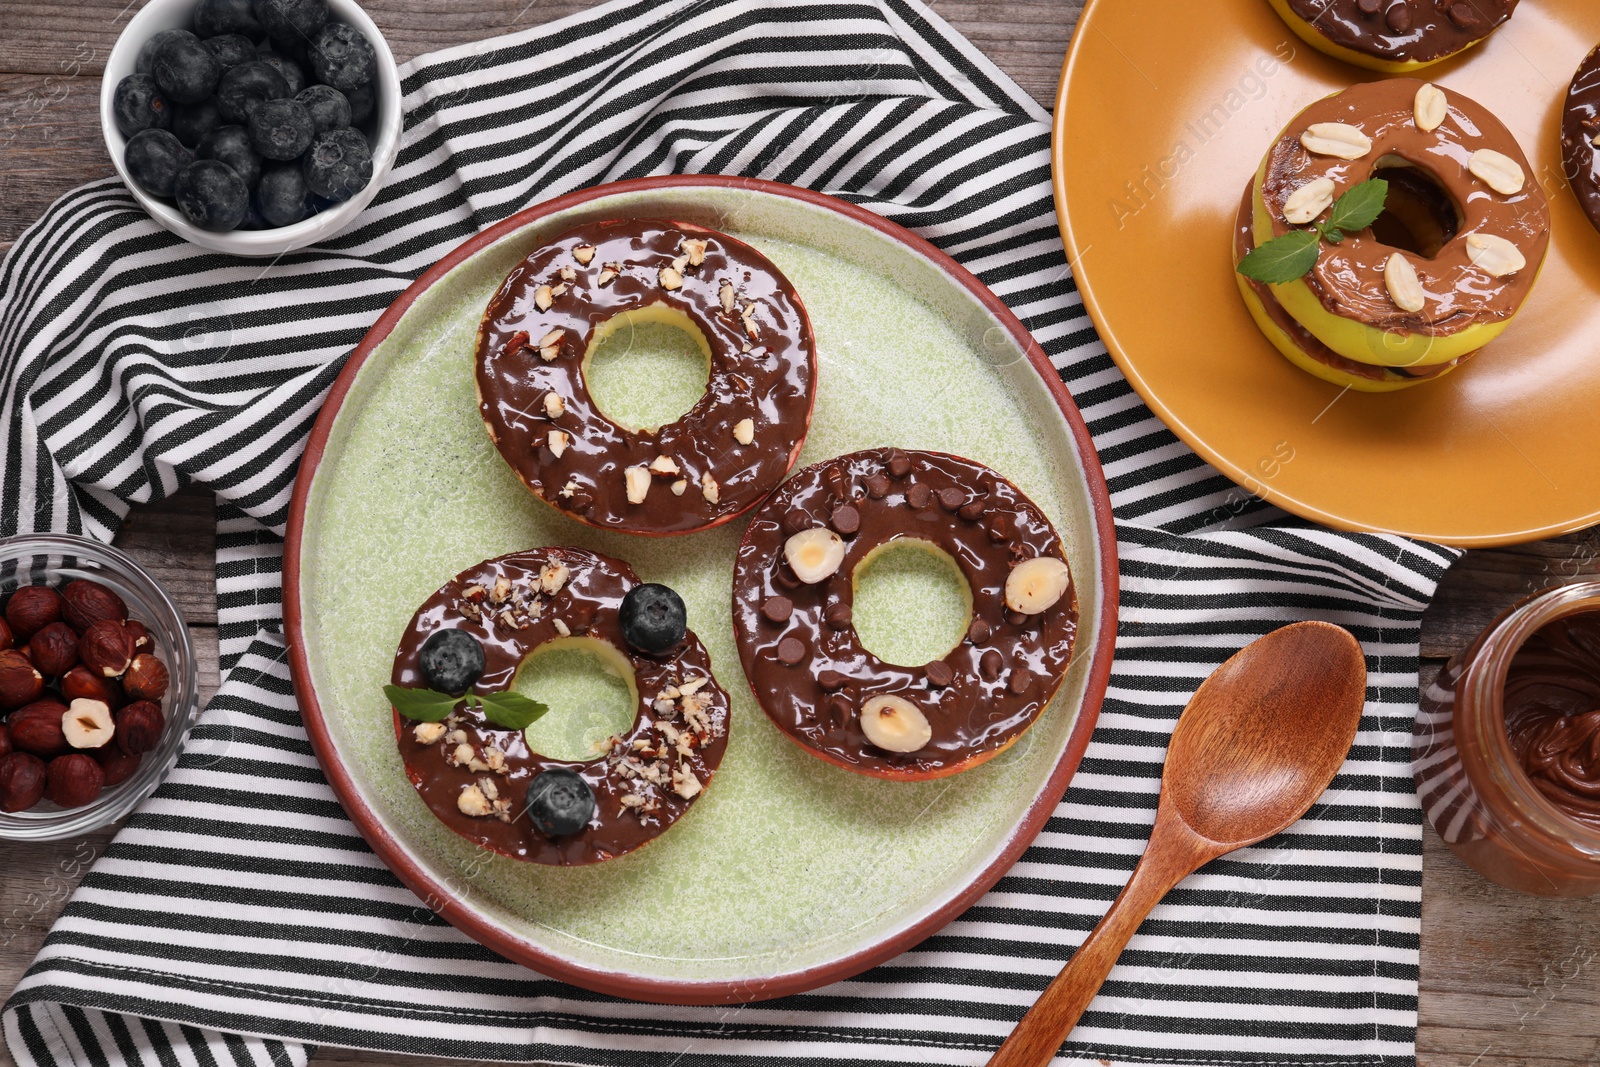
(1174,852)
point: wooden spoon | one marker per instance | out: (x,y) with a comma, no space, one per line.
(1256,746)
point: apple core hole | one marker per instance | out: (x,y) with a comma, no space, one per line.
(1419,216)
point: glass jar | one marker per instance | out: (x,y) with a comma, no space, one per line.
(1469,779)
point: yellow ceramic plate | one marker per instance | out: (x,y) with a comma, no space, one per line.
(1162,120)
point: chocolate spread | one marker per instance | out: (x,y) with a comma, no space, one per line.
(1404,30)
(1349,276)
(1552,710)
(642,779)
(1580,125)
(534,341)
(800,651)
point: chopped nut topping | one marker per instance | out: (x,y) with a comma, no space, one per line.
(427,733)
(748,315)
(473,802)
(501,590)
(631,801)
(684,783)
(463,753)
(670,279)
(679,486)
(726,294)
(568,274)
(496,761)
(637,481)
(559,290)
(664,465)
(744,431)
(557,442)
(583,254)
(561,627)
(554,406)
(692,686)
(567,490)
(552,576)
(455,737)
(543,298)
(608,272)
(695,248)
(508,620)
(708,487)
(550,344)
(473,592)
(680,264)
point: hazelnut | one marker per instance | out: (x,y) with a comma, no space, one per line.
(146,679)
(36,728)
(105,648)
(117,764)
(87,724)
(74,780)
(31,609)
(22,780)
(139,727)
(54,649)
(7,638)
(20,682)
(142,641)
(80,683)
(85,603)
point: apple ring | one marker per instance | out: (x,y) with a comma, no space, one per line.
(1393,36)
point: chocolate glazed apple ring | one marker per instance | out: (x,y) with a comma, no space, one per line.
(1580,136)
(474,776)
(794,586)
(733,446)
(1394,36)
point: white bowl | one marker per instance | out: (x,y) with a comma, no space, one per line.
(158,15)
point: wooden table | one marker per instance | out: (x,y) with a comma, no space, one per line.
(1507,980)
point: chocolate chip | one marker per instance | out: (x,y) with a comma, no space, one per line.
(1016,618)
(878,487)
(1001,526)
(1019,682)
(972,511)
(1463,16)
(939,673)
(839,710)
(1399,17)
(1369,7)
(919,497)
(845,519)
(978,632)
(899,463)
(831,680)
(777,609)
(785,578)
(837,616)
(796,520)
(791,650)
(990,665)
(952,498)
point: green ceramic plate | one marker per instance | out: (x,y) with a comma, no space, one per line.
(789,873)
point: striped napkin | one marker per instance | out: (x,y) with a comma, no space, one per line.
(238,918)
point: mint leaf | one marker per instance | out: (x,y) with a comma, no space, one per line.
(1282,259)
(420,705)
(513,711)
(1357,209)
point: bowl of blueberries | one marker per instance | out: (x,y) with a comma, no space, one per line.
(253,127)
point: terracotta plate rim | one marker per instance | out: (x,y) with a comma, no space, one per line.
(1129,367)
(611,982)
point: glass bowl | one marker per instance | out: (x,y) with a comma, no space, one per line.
(56,559)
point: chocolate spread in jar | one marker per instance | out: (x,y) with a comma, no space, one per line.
(1580,126)
(641,780)
(808,668)
(1404,30)
(1552,711)
(1349,277)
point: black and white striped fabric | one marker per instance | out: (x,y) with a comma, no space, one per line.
(239,919)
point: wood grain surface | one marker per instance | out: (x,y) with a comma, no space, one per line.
(1507,980)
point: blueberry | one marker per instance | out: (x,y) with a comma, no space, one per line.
(363,100)
(247,85)
(329,108)
(231,145)
(212,18)
(252,218)
(281,129)
(292,73)
(230,50)
(186,70)
(560,802)
(653,618)
(145,62)
(139,105)
(212,196)
(292,21)
(342,57)
(154,159)
(282,197)
(338,165)
(191,122)
(450,660)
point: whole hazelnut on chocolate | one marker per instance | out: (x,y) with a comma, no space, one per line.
(36,728)
(22,780)
(80,683)
(106,649)
(146,679)
(117,764)
(54,649)
(31,609)
(85,603)
(74,780)
(139,727)
(20,682)
(7,638)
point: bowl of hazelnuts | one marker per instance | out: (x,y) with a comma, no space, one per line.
(98,686)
